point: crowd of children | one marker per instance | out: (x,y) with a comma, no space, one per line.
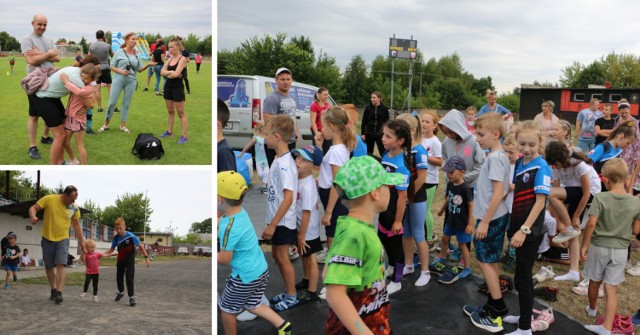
(528,183)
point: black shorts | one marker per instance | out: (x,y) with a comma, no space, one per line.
(105,77)
(174,94)
(338,210)
(284,235)
(574,194)
(51,110)
(555,253)
(315,245)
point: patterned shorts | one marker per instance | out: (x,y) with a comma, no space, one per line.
(489,249)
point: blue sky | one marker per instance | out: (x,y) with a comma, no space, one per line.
(512,41)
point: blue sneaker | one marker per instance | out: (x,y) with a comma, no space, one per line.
(470,309)
(166,134)
(465,273)
(437,267)
(6,285)
(450,276)
(455,255)
(482,320)
(636,318)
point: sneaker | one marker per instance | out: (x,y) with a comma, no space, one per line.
(293,254)
(276,299)
(166,134)
(408,269)
(119,296)
(322,255)
(425,278)
(59,298)
(303,284)
(583,289)
(33,153)
(539,326)
(285,329)
(393,287)
(547,293)
(455,255)
(95,298)
(286,303)
(246,316)
(388,272)
(546,272)
(323,294)
(52,297)
(46,140)
(470,309)
(636,318)
(83,294)
(545,316)
(6,285)
(183,140)
(433,245)
(263,190)
(506,283)
(100,110)
(132,301)
(437,267)
(483,288)
(90,131)
(465,273)
(450,276)
(103,128)
(482,320)
(634,270)
(125,130)
(564,237)
(145,90)
(509,264)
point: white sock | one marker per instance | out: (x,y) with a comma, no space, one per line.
(520,332)
(570,276)
(592,312)
(513,319)
(425,277)
(408,268)
(598,329)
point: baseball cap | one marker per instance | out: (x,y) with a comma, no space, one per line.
(231,185)
(311,153)
(454,163)
(361,175)
(12,235)
(283,69)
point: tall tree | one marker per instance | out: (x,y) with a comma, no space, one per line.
(95,212)
(8,42)
(355,81)
(135,209)
(83,44)
(191,42)
(202,227)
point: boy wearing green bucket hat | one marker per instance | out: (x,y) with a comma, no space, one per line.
(355,280)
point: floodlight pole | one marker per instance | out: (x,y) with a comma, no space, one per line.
(144,224)
(410,79)
(393,59)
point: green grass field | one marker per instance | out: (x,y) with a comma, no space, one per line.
(148,114)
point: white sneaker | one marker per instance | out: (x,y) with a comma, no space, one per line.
(584,290)
(628,265)
(571,233)
(293,254)
(323,294)
(246,316)
(322,255)
(569,276)
(424,279)
(393,287)
(634,270)
(408,269)
(546,272)
(83,294)
(95,298)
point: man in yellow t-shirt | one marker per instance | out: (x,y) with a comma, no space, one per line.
(60,212)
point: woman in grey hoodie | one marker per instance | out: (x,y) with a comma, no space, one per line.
(460,142)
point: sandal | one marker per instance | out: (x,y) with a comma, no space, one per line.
(103,128)
(125,129)
(286,304)
(278,298)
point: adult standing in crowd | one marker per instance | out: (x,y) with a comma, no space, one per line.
(376,114)
(39,51)
(159,58)
(174,98)
(630,154)
(101,49)
(586,125)
(198,62)
(280,102)
(318,106)
(492,105)
(60,212)
(159,45)
(126,64)
(546,119)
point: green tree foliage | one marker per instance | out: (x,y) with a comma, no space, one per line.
(511,101)
(135,209)
(8,42)
(356,82)
(192,238)
(83,44)
(191,42)
(619,70)
(202,227)
(95,212)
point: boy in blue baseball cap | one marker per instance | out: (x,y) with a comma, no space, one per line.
(308,159)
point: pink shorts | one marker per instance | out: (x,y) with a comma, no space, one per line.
(74,125)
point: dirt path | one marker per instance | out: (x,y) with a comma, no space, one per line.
(173,297)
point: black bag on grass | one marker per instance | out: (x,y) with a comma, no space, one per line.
(147,146)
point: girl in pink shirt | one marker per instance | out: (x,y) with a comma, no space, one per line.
(92,260)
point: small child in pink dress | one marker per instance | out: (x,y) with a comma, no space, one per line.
(76,121)
(92,261)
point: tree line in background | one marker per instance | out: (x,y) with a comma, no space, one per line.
(191,42)
(134,208)
(437,83)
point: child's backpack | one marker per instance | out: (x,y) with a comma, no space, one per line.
(147,146)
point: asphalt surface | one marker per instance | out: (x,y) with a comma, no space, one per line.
(173,297)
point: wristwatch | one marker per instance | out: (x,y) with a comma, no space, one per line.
(526,230)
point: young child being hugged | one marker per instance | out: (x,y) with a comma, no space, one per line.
(281,206)
(413,223)
(355,277)
(493,218)
(429,121)
(238,247)
(532,181)
(307,161)
(459,220)
(334,127)
(614,218)
(262,165)
(619,139)
(396,139)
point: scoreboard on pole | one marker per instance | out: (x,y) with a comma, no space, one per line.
(402,48)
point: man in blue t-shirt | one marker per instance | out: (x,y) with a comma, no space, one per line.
(125,242)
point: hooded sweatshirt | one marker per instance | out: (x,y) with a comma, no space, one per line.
(467,148)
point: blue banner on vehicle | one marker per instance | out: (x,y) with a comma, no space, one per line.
(235,92)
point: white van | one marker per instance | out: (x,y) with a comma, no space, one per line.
(245,97)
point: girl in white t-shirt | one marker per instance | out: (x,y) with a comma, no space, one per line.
(429,120)
(334,127)
(574,183)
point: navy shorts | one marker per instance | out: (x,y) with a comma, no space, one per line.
(460,235)
(10,267)
(315,245)
(338,210)
(489,249)
(105,77)
(284,235)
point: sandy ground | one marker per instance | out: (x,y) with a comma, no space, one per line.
(173,297)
